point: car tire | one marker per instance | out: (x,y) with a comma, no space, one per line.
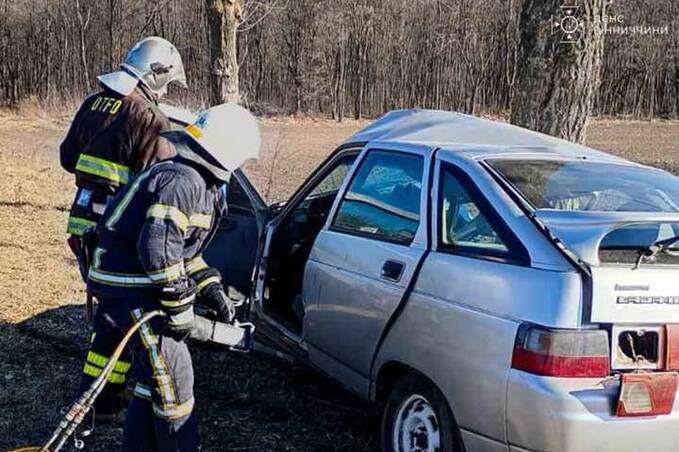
(416,417)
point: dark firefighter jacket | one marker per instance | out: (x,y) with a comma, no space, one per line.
(154,230)
(112,137)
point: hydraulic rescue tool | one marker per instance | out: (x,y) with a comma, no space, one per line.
(238,337)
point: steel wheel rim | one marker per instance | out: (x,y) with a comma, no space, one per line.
(416,426)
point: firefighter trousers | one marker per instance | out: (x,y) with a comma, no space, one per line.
(160,416)
(106,336)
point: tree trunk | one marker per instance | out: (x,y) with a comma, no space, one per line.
(112,33)
(223,17)
(557,76)
(676,83)
(675,60)
(83,24)
(471,104)
(48,62)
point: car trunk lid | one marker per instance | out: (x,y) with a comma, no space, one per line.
(644,295)
(609,244)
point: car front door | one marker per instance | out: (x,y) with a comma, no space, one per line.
(363,261)
(234,247)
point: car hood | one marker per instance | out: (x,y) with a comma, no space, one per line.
(582,232)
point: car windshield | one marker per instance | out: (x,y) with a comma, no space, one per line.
(591,186)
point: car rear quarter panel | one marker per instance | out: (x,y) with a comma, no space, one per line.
(459,326)
(578,414)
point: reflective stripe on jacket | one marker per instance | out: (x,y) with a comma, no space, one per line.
(112,137)
(154,231)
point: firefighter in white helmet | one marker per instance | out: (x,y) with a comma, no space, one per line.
(115,135)
(116,132)
(148,257)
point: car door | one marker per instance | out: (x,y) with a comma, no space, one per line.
(288,240)
(236,243)
(364,260)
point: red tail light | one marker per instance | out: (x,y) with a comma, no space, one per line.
(647,394)
(672,347)
(561,353)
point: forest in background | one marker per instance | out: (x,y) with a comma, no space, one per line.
(336,58)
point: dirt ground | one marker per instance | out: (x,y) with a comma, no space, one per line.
(244,402)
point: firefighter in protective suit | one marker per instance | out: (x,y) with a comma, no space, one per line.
(115,134)
(148,256)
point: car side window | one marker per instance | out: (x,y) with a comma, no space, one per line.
(322,195)
(333,181)
(237,199)
(383,200)
(468,224)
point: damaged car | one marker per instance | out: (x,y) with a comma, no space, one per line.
(488,288)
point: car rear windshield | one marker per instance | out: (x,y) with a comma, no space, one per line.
(623,245)
(591,186)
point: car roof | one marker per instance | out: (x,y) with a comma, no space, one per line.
(470,136)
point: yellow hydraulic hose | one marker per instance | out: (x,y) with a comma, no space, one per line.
(76,413)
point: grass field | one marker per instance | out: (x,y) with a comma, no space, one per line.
(244,402)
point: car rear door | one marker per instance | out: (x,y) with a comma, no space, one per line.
(364,259)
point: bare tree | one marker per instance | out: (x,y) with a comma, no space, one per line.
(298,36)
(84,18)
(675,55)
(350,57)
(558,75)
(223,17)
(477,47)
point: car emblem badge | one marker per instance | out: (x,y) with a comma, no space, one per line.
(620,287)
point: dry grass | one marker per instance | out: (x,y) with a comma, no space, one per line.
(245,402)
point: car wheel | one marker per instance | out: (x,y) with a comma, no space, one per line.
(417,418)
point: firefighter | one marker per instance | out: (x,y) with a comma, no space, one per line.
(116,132)
(114,135)
(148,256)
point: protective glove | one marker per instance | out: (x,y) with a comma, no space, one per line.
(216,299)
(212,294)
(177,301)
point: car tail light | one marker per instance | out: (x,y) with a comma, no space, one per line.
(672,347)
(647,394)
(561,353)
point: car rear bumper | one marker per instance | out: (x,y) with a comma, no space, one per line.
(577,414)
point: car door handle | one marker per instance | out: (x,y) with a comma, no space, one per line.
(392,270)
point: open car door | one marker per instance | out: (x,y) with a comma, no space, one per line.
(233,250)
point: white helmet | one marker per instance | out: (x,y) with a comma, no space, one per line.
(154,61)
(227,135)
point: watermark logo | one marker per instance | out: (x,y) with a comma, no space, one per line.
(569,24)
(617,25)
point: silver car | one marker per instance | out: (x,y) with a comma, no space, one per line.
(487,287)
